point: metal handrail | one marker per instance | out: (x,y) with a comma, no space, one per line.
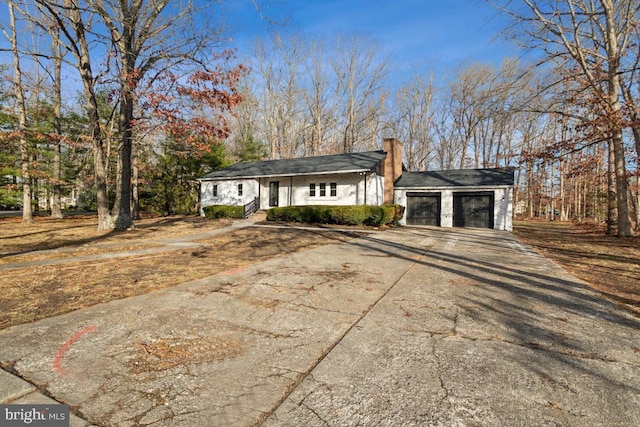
(251,207)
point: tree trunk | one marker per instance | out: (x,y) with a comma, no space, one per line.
(123,219)
(637,198)
(56,208)
(614,88)
(135,195)
(622,201)
(128,83)
(612,212)
(27,213)
(100,160)
(99,157)
(634,203)
(552,189)
(563,202)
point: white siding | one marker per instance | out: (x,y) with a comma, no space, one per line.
(227,192)
(350,190)
(503,218)
(502,210)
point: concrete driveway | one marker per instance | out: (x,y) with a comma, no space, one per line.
(413,326)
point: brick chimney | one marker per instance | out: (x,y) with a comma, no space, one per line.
(392,166)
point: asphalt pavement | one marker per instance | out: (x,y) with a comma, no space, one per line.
(412,326)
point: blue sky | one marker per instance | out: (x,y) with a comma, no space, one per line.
(417,36)
(431,35)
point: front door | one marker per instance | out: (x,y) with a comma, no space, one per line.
(274,191)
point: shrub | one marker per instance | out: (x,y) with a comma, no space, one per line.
(392,214)
(341,215)
(285,214)
(221,211)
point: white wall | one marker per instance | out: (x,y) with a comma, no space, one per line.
(503,218)
(227,192)
(295,190)
(350,190)
(502,209)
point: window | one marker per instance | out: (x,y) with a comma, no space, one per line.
(334,189)
(239,189)
(323,189)
(312,190)
(215,190)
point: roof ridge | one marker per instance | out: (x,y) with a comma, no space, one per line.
(316,157)
(341,162)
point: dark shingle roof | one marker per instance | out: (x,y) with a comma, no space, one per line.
(456,178)
(349,162)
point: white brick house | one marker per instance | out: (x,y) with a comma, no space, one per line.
(465,198)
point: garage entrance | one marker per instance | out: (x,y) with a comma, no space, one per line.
(473,209)
(423,209)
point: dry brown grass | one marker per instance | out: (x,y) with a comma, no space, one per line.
(36,292)
(610,265)
(80,233)
(166,353)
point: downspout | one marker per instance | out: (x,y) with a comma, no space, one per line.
(365,188)
(259,192)
(291,192)
(199,202)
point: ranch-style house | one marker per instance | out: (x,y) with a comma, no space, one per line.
(447,198)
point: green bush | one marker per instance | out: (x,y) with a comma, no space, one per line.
(350,215)
(392,214)
(221,211)
(341,215)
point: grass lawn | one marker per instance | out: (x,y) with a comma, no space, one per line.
(610,265)
(59,282)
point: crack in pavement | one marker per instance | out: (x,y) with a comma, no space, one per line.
(447,393)
(353,326)
(528,345)
(399,366)
(39,388)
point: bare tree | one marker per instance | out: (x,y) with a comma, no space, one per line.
(18,88)
(445,134)
(143,39)
(318,99)
(279,64)
(57,57)
(146,38)
(411,119)
(360,85)
(74,34)
(592,38)
(469,106)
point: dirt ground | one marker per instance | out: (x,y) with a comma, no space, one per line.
(35,292)
(610,265)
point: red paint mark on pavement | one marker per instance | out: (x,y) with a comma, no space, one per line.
(57,360)
(233,271)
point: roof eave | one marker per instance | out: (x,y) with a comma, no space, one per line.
(452,187)
(222,178)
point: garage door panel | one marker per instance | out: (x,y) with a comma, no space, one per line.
(473,210)
(423,209)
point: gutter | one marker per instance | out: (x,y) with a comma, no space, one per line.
(223,178)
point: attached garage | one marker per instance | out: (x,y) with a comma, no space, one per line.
(423,209)
(457,198)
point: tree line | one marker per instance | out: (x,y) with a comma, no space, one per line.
(158,102)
